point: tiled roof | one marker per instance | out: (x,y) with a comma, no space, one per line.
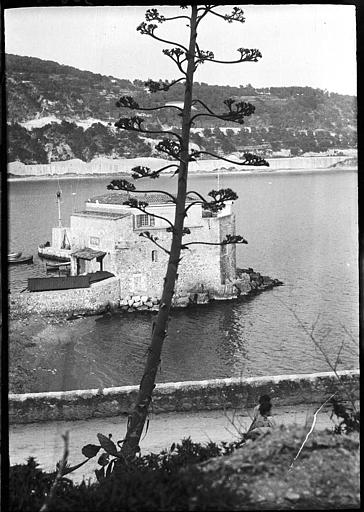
(92,213)
(88,254)
(119,197)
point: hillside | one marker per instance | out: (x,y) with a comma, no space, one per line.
(58,112)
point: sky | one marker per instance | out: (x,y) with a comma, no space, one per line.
(302,44)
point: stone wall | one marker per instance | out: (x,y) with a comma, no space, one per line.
(111,293)
(79,300)
(200,264)
(142,265)
(231,393)
(100,233)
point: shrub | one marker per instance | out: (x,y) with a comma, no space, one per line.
(28,486)
(169,480)
(350,419)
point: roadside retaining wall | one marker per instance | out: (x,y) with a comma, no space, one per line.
(76,300)
(184,396)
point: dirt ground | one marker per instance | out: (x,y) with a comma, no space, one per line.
(267,475)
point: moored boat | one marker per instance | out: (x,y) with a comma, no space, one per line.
(50,267)
(50,252)
(60,248)
(21,259)
(14,255)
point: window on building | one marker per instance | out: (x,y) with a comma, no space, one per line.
(94,240)
(144,220)
(138,283)
(154,256)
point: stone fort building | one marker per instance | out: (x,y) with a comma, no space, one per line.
(106,236)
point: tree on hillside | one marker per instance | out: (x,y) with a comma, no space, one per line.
(176,147)
(24,146)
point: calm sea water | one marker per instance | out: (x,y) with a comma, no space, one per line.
(301,229)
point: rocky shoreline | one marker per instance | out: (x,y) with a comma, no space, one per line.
(199,296)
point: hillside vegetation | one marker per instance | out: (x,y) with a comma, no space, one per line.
(58,112)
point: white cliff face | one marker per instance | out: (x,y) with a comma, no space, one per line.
(108,166)
(302,162)
(291,163)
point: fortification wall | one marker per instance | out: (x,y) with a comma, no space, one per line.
(78,300)
(232,393)
(111,293)
(200,264)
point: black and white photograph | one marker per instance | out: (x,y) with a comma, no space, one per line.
(182,257)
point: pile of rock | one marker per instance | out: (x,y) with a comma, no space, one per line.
(181,300)
(247,282)
(132,303)
(257,281)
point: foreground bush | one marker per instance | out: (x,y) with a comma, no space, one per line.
(166,481)
(283,469)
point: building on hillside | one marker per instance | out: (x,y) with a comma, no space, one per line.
(106,236)
(282,153)
(264,149)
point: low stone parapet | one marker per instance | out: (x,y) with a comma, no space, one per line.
(95,299)
(212,394)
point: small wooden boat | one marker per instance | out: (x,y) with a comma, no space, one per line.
(20,259)
(59,249)
(14,255)
(46,251)
(57,266)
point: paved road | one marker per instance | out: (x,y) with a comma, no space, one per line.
(44,440)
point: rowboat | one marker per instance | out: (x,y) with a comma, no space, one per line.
(49,252)
(20,259)
(14,255)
